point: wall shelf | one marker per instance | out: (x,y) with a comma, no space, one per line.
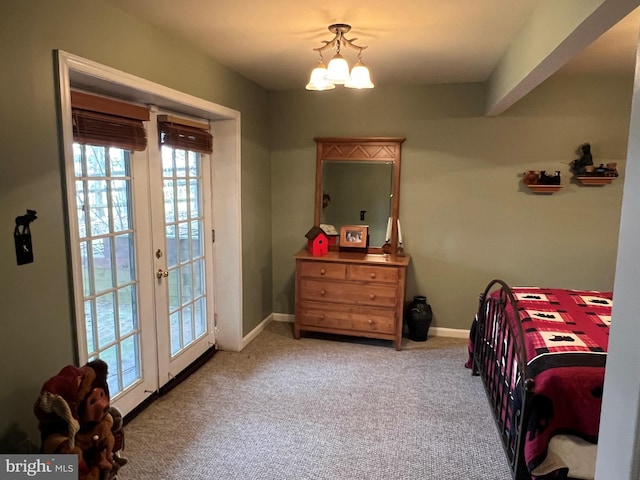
(541,182)
(593,180)
(544,188)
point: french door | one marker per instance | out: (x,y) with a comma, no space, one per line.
(142,263)
(182,259)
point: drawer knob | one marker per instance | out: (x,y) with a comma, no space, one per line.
(322,316)
(322,271)
(372,296)
(373,275)
(370,322)
(323,292)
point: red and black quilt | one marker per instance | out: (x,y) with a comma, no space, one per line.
(566,337)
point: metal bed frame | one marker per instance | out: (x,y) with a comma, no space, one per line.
(500,360)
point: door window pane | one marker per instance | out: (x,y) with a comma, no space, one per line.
(194,195)
(119,164)
(199,315)
(187,325)
(106,313)
(169,201)
(102,261)
(175,333)
(90,325)
(96,165)
(110,355)
(127,307)
(130,368)
(80,209)
(78,162)
(86,268)
(98,210)
(186,277)
(198,278)
(196,239)
(125,264)
(120,205)
(174,291)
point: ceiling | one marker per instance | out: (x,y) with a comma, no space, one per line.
(409,41)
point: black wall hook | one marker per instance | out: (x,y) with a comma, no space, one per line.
(22,237)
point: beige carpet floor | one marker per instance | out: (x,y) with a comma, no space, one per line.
(321,408)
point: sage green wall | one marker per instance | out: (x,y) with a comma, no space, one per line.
(36,332)
(466,217)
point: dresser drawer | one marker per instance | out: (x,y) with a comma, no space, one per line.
(361,319)
(335,271)
(351,293)
(374,273)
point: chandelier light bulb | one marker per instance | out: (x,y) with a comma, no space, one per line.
(338,70)
(360,77)
(317,80)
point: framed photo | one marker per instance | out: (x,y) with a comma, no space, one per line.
(354,236)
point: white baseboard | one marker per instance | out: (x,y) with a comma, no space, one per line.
(449,332)
(248,338)
(284,317)
(433,331)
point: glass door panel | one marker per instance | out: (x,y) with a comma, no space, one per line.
(108,265)
(185,286)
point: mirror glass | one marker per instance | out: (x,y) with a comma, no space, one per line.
(358,183)
(358,193)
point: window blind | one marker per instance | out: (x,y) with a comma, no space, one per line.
(107,122)
(186,134)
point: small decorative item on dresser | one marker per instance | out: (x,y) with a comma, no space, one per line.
(400,248)
(317,242)
(354,236)
(386,248)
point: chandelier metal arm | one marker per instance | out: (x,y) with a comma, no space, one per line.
(339,29)
(327,45)
(349,42)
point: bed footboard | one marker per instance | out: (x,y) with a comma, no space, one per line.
(499,359)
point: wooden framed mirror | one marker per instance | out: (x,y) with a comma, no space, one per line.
(358,183)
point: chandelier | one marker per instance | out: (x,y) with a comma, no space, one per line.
(337,73)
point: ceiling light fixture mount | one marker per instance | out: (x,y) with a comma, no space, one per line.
(337,73)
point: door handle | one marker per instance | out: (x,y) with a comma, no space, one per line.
(162,273)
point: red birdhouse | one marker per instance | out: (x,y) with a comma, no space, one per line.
(318,242)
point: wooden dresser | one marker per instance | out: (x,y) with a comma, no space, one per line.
(351,293)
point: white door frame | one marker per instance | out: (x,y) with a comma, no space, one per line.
(74,71)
